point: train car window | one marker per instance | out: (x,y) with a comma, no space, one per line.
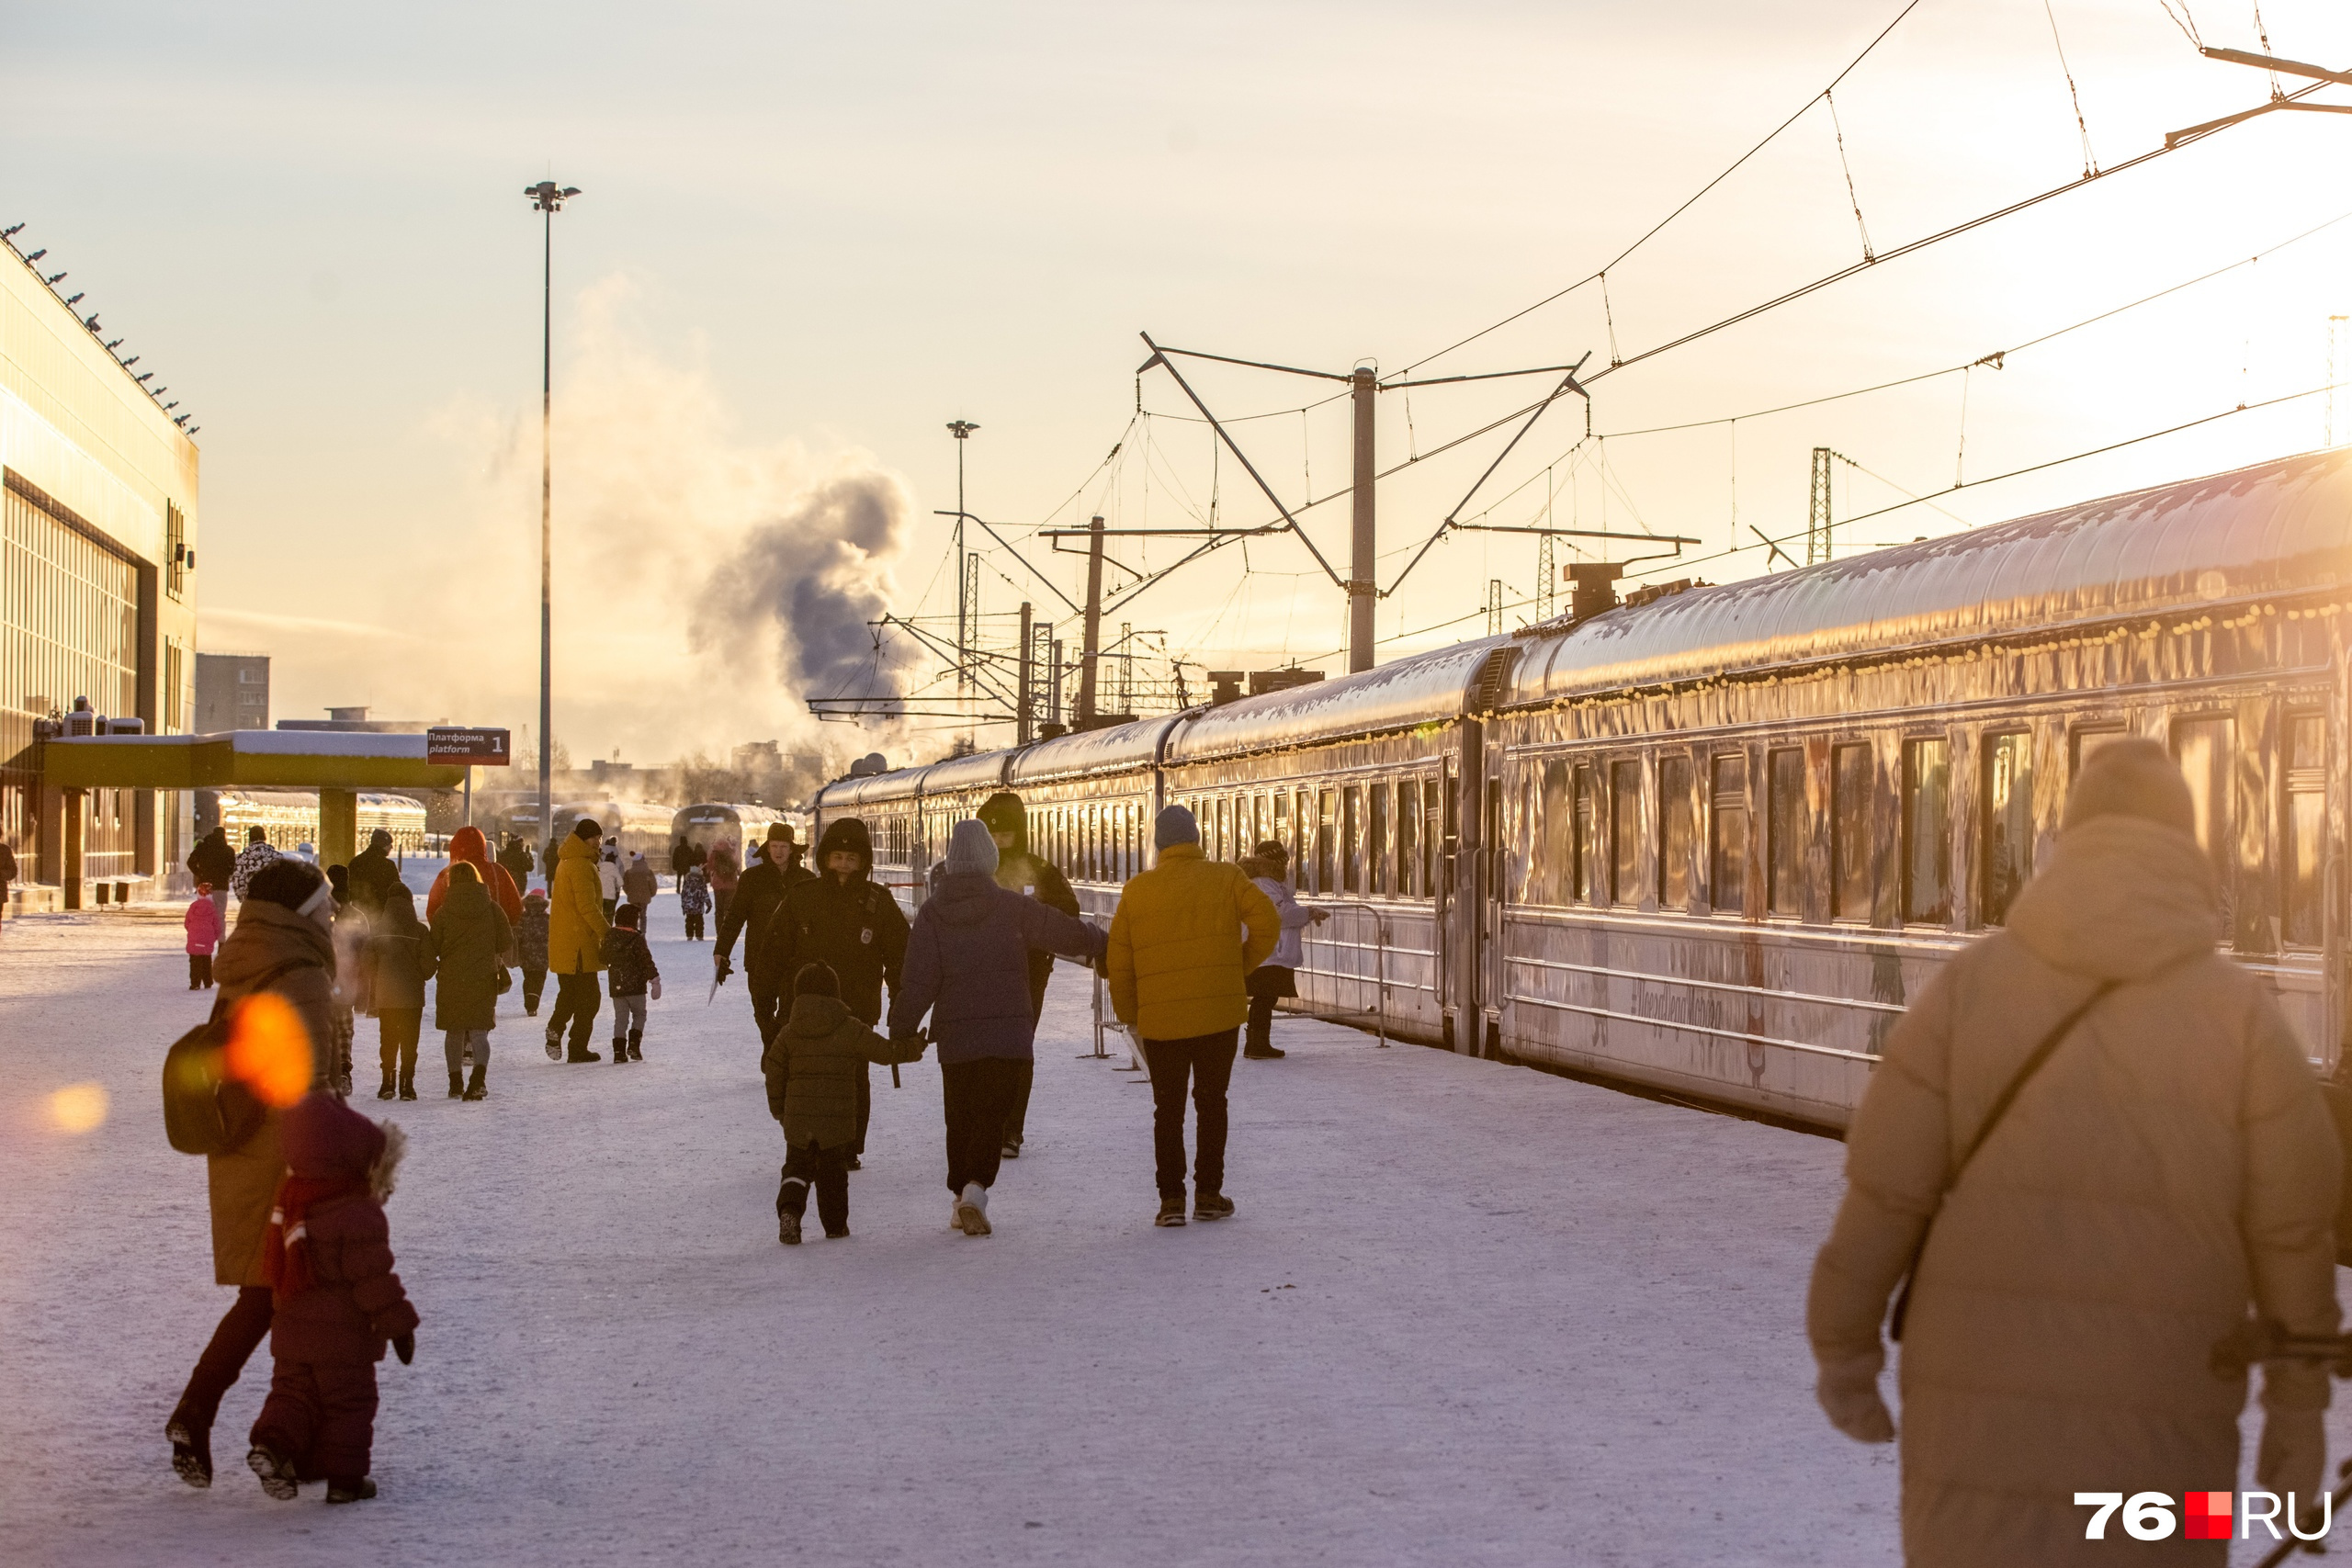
(1727,835)
(1625,833)
(1327,824)
(1376,847)
(1676,837)
(1553,838)
(1409,883)
(2304,816)
(2086,745)
(1282,829)
(1926,832)
(1787,829)
(1849,833)
(1352,838)
(2007,836)
(1584,884)
(2202,746)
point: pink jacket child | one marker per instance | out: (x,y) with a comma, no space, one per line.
(203,923)
(337,1302)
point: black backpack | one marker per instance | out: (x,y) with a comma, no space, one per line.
(205,1112)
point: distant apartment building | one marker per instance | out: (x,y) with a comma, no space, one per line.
(231,691)
(97,551)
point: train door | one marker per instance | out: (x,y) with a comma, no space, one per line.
(1492,879)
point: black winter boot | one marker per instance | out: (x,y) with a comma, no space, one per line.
(359,1491)
(476,1091)
(408,1083)
(635,1039)
(457,1084)
(620,1049)
(191,1447)
(388,1090)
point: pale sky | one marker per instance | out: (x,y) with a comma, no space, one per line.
(810,235)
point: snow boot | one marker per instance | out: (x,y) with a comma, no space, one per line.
(457,1084)
(1263,1053)
(787,1227)
(408,1083)
(555,1045)
(277,1472)
(1209,1206)
(841,1235)
(620,1049)
(359,1490)
(388,1090)
(1012,1150)
(191,1448)
(972,1210)
(476,1090)
(1171,1211)
(858,1162)
(635,1039)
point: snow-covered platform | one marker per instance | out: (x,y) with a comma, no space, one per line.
(1469,1314)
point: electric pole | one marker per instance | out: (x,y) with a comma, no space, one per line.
(1364,593)
(1026,709)
(1092,647)
(1816,522)
(966,583)
(547,198)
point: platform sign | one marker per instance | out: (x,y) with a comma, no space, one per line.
(472,747)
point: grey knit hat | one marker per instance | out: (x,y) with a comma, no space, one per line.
(1174,824)
(2132,778)
(971,848)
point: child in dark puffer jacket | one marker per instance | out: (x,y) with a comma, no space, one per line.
(814,1063)
(531,948)
(630,971)
(336,1302)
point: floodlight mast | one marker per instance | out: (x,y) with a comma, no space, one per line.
(547,198)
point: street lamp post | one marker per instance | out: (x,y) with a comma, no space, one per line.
(548,197)
(965,631)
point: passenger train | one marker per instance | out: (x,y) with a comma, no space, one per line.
(1709,842)
(289,818)
(739,829)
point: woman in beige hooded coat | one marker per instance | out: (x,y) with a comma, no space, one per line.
(2169,1170)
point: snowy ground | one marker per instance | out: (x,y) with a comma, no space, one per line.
(1469,1314)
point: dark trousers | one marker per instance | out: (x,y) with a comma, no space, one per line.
(804,1166)
(865,1111)
(979,1096)
(322,1415)
(1016,1115)
(199,971)
(1207,1061)
(397,1029)
(242,1330)
(577,999)
(693,927)
(768,1005)
(535,981)
(1261,1021)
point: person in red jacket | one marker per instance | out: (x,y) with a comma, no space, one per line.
(335,1299)
(468,845)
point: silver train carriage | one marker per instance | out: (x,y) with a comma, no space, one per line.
(289,818)
(709,825)
(1711,844)
(640,829)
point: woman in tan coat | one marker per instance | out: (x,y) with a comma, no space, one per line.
(2169,1170)
(283,944)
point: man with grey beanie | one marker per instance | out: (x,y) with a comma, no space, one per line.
(1185,937)
(968,966)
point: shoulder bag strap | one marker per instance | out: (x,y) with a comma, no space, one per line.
(2033,1063)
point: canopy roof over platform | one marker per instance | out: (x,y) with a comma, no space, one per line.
(245,759)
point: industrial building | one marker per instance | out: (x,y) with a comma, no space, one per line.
(97,579)
(231,691)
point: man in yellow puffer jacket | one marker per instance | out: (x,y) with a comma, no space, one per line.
(576,941)
(1187,933)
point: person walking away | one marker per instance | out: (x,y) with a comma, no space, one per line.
(639,885)
(531,949)
(758,895)
(350,931)
(398,964)
(373,874)
(968,966)
(280,945)
(469,847)
(203,923)
(842,919)
(575,943)
(212,860)
(694,900)
(2096,1147)
(723,877)
(337,1302)
(608,879)
(1185,937)
(516,857)
(257,853)
(813,1063)
(634,977)
(681,857)
(1031,875)
(468,947)
(1278,977)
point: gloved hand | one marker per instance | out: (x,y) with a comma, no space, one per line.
(1849,1395)
(2294,1458)
(404,1346)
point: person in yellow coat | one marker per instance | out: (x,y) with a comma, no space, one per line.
(576,941)
(1185,937)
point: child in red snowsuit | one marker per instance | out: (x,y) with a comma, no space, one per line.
(203,922)
(337,1302)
